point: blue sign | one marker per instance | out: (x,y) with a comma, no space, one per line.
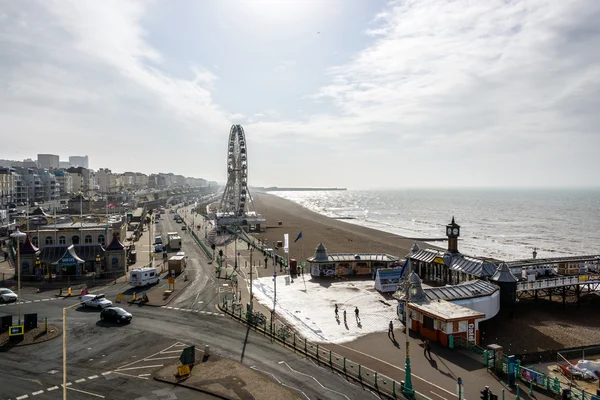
(67,261)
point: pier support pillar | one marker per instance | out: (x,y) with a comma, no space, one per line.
(564,295)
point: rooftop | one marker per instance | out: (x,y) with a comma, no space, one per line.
(445,310)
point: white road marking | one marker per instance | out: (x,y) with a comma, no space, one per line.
(92,377)
(27,302)
(160,358)
(316,380)
(54,298)
(144,366)
(38,392)
(169,308)
(281,383)
(170,351)
(36,301)
(398,368)
(68,384)
(106,373)
(52,388)
(90,393)
(176,308)
(131,376)
(141,375)
(46,299)
(438,395)
(23,397)
(80,380)
(163,306)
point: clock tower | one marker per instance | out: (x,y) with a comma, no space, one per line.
(453,232)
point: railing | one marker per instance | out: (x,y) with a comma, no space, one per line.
(284,335)
(549,283)
(206,250)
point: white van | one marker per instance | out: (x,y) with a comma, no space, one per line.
(143,276)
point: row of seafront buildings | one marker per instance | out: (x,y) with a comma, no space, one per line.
(447,294)
(49,179)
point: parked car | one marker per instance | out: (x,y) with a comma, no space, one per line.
(95,300)
(7,295)
(116,314)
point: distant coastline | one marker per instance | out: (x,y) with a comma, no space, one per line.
(292,189)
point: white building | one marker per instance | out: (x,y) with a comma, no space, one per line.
(79,161)
(48,161)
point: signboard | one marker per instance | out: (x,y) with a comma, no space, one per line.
(439,260)
(188,355)
(183,370)
(67,261)
(387,279)
(16,330)
(471,332)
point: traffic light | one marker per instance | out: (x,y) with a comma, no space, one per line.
(485,393)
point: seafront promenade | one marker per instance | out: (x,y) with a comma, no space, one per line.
(434,378)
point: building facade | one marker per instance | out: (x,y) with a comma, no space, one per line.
(79,161)
(323,264)
(48,161)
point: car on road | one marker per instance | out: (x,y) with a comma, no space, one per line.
(116,314)
(183,227)
(95,300)
(158,248)
(7,295)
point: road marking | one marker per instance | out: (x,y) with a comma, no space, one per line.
(80,380)
(46,299)
(145,366)
(160,358)
(36,301)
(52,388)
(131,376)
(144,375)
(92,377)
(90,393)
(438,395)
(68,384)
(170,351)
(163,306)
(169,308)
(398,368)
(176,308)
(54,298)
(23,397)
(281,383)
(106,373)
(38,392)
(27,302)
(316,380)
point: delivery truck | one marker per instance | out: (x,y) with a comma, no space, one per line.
(177,264)
(173,241)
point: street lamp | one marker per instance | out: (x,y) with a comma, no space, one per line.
(408,388)
(251,271)
(18,235)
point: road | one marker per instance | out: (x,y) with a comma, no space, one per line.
(111,361)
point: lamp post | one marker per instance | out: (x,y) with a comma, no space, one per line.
(150,239)
(98,261)
(64,326)
(408,388)
(18,235)
(251,270)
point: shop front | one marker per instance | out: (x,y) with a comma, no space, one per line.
(323,264)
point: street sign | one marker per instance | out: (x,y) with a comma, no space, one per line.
(188,355)
(183,370)
(16,330)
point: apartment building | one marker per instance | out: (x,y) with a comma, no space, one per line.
(48,161)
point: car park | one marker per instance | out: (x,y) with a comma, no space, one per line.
(7,295)
(95,300)
(115,314)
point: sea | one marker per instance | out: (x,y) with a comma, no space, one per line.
(505,224)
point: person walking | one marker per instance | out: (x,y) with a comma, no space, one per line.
(356,314)
(344,316)
(5,256)
(427,348)
(336,312)
(391,331)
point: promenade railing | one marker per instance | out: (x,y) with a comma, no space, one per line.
(287,337)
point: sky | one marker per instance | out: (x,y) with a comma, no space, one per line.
(344,93)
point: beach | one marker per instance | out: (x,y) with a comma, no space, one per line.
(338,236)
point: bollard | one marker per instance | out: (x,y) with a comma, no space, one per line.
(518,395)
(206,350)
(502,394)
(531,387)
(46,323)
(330,361)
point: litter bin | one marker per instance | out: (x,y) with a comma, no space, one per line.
(293,267)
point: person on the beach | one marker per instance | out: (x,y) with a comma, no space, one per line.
(344,316)
(356,313)
(336,312)
(426,348)
(391,331)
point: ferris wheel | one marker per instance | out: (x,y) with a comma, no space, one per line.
(236,196)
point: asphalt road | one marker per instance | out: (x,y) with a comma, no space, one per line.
(111,361)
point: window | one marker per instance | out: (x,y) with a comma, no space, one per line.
(62,240)
(87,239)
(427,322)
(75,240)
(101,239)
(34,241)
(49,240)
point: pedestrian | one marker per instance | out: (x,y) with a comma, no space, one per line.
(5,256)
(344,316)
(391,331)
(336,312)
(426,348)
(356,313)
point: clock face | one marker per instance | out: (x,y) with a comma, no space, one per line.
(455,231)
(449,231)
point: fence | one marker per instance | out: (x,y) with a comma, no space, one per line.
(382,384)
